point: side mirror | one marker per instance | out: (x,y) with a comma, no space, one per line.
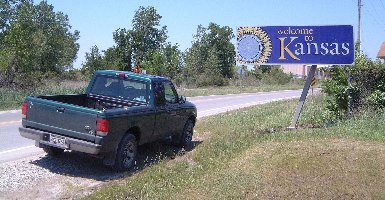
(182,99)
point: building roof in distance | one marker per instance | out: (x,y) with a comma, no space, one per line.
(381,52)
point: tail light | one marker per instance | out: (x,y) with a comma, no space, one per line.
(102,127)
(24,109)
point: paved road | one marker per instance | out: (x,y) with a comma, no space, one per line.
(13,146)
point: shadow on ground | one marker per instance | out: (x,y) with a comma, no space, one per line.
(82,165)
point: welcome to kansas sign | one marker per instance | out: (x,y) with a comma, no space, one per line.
(295,45)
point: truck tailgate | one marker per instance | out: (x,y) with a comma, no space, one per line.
(60,118)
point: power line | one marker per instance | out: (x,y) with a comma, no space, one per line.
(374,19)
(382,4)
(374,14)
(378,14)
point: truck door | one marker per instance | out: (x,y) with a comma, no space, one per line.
(168,117)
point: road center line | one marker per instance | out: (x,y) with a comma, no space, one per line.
(10,122)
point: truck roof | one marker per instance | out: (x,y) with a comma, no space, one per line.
(131,75)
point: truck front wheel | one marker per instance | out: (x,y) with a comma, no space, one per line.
(185,138)
(126,154)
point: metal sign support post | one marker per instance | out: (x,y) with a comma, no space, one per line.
(302,99)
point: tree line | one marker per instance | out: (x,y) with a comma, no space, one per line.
(209,61)
(37,43)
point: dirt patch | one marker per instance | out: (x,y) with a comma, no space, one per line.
(181,156)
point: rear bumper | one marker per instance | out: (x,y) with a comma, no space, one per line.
(42,139)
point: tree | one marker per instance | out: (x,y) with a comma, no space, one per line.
(211,74)
(8,11)
(36,41)
(147,33)
(144,45)
(173,61)
(210,43)
(94,61)
(112,59)
(220,39)
(166,61)
(119,56)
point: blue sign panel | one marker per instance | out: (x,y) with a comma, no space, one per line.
(295,45)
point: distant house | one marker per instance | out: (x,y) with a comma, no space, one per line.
(381,52)
(300,71)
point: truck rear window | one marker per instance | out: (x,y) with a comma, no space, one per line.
(122,88)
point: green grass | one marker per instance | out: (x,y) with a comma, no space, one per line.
(205,91)
(248,154)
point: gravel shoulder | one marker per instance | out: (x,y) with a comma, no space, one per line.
(71,175)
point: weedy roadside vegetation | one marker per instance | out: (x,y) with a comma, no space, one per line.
(13,98)
(249,154)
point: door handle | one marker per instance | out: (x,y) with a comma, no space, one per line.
(60,110)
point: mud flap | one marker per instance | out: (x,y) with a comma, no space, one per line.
(109,158)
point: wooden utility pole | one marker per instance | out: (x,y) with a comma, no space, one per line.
(350,77)
(359,26)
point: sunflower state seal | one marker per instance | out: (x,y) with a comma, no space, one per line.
(254,45)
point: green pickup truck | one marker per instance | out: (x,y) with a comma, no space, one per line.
(119,111)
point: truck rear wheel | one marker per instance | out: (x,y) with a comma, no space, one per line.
(53,151)
(126,154)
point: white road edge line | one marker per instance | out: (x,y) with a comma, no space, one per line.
(215,95)
(231,96)
(9,111)
(240,106)
(17,149)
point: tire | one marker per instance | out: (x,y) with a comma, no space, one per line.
(185,138)
(126,153)
(53,151)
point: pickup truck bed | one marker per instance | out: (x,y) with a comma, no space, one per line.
(94,101)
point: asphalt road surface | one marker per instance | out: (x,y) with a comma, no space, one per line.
(13,146)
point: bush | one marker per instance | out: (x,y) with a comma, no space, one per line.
(271,75)
(376,100)
(337,90)
(211,78)
(366,91)
(276,76)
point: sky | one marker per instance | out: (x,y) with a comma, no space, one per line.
(98,19)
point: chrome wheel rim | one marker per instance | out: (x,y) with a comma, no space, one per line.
(188,133)
(129,154)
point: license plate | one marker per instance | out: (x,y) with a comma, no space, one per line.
(58,141)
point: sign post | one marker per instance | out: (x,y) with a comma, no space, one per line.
(302,99)
(308,45)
